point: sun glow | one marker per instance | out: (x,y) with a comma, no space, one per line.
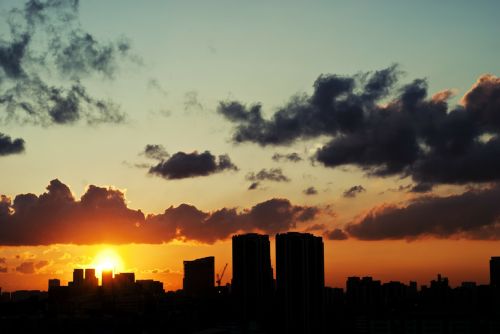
(107,259)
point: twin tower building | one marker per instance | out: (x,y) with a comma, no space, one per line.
(294,302)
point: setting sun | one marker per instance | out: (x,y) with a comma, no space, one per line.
(107,259)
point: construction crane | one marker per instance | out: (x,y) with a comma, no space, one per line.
(219,277)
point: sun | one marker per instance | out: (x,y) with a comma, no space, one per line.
(107,259)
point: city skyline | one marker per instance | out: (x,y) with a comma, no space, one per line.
(140,136)
(251,254)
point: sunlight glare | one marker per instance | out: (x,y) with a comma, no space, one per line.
(107,259)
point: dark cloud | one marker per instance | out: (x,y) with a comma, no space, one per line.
(156,152)
(3,270)
(310,191)
(474,214)
(315,227)
(385,128)
(46,42)
(10,146)
(422,188)
(336,234)
(26,268)
(292,157)
(354,191)
(273,174)
(271,216)
(185,165)
(3,260)
(253,186)
(102,216)
(402,188)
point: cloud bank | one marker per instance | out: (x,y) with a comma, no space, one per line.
(385,128)
(101,215)
(474,214)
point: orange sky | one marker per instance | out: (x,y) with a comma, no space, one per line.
(385,260)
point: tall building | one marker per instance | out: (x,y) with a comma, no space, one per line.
(300,282)
(77,277)
(90,278)
(199,276)
(107,278)
(252,283)
(54,283)
(495,271)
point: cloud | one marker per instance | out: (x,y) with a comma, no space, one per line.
(155,85)
(186,165)
(401,188)
(273,174)
(156,152)
(253,186)
(101,215)
(162,271)
(40,264)
(422,188)
(3,270)
(292,157)
(47,44)
(3,260)
(385,128)
(336,234)
(26,268)
(272,216)
(191,101)
(315,227)
(474,214)
(310,191)
(56,217)
(354,191)
(9,146)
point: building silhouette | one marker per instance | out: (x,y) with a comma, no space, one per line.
(300,282)
(199,276)
(54,283)
(495,271)
(107,278)
(77,277)
(90,278)
(252,284)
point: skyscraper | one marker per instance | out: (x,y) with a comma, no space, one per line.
(300,282)
(54,283)
(252,283)
(495,271)
(90,278)
(77,277)
(107,278)
(199,276)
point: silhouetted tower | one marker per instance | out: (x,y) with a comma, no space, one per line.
(199,276)
(107,278)
(495,271)
(77,277)
(90,278)
(300,282)
(252,283)
(54,283)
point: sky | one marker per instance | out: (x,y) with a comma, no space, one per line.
(155,131)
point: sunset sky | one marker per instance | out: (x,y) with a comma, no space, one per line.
(152,132)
